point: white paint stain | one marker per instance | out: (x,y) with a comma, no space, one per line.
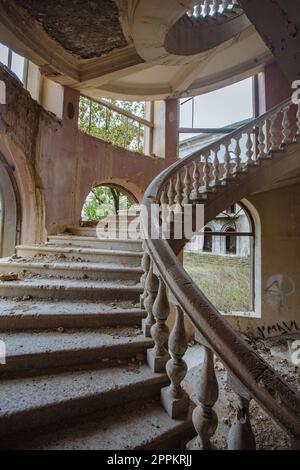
(278,288)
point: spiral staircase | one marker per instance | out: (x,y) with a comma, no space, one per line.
(213,178)
(90,360)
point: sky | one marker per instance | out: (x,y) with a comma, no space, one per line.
(219,108)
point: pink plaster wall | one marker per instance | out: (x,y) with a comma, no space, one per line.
(66,163)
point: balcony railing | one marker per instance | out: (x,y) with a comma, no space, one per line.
(212,8)
(117,125)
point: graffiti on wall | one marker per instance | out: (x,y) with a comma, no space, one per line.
(277,328)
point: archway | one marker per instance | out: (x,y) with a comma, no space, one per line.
(231,245)
(234,244)
(9,211)
(207,243)
(104,200)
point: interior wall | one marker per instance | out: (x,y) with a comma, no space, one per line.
(61,163)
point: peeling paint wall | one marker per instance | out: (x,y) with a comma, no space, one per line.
(64,163)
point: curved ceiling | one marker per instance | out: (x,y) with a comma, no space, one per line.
(120,50)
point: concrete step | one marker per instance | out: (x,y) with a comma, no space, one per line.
(72,270)
(94,242)
(130,427)
(39,401)
(127,258)
(29,352)
(92,232)
(52,315)
(70,289)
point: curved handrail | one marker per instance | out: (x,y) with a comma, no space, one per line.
(164,176)
(264,385)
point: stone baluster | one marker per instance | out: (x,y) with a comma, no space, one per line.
(151,289)
(171,193)
(206,175)
(240,436)
(163,197)
(298,121)
(164,211)
(225,4)
(175,400)
(206,8)
(198,10)
(249,147)
(215,7)
(238,160)
(196,181)
(186,186)
(286,127)
(227,159)
(261,141)
(158,356)
(145,267)
(205,419)
(274,144)
(216,169)
(178,190)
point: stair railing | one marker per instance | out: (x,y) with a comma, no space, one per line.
(198,178)
(212,8)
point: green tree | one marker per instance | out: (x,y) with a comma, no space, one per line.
(103,201)
(101,122)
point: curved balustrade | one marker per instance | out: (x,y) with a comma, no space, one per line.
(212,8)
(203,178)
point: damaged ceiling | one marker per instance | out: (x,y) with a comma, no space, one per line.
(86,28)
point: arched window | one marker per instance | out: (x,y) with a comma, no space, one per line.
(105,200)
(207,244)
(235,233)
(231,246)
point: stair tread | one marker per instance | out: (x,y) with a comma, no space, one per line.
(25,394)
(146,426)
(85,266)
(23,343)
(53,283)
(68,236)
(39,308)
(77,250)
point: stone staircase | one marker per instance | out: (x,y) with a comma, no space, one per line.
(76,375)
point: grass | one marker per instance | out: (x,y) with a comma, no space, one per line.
(227,284)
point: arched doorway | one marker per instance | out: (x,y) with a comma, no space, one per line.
(231,245)
(207,243)
(8,211)
(104,200)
